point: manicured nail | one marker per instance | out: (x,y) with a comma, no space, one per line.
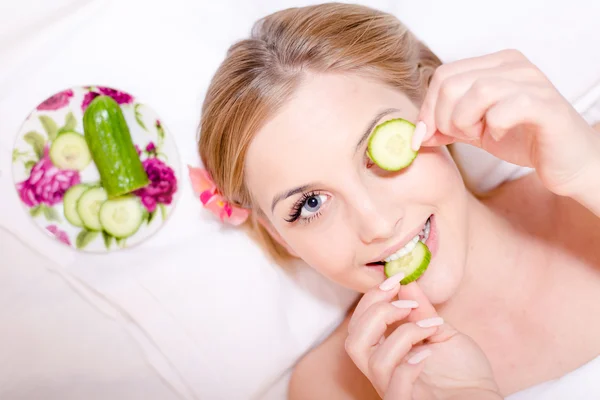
(391,282)
(429,322)
(418,135)
(420,356)
(405,304)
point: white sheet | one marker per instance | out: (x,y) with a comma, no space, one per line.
(207,333)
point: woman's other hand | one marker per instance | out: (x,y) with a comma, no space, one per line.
(407,351)
(504,104)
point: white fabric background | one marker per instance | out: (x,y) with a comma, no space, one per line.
(196,312)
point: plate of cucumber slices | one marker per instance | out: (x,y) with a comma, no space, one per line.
(96,169)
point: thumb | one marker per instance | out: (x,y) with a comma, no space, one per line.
(437,139)
(425,310)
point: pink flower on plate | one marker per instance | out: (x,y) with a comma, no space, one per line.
(59,100)
(119,97)
(212,200)
(60,235)
(46,184)
(162,186)
(150,148)
(87,99)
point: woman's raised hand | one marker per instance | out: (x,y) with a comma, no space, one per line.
(408,352)
(504,104)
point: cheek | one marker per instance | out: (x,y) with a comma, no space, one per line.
(432,179)
(325,248)
(448,195)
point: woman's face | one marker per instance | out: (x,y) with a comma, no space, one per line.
(308,171)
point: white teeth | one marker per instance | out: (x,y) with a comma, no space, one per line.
(410,246)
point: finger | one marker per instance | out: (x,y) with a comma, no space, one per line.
(402,381)
(445,71)
(380,315)
(426,312)
(470,110)
(456,86)
(386,291)
(394,349)
(438,139)
(413,291)
(370,329)
(521,108)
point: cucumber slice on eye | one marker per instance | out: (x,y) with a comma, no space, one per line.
(413,264)
(390,145)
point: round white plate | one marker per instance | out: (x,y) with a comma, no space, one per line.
(41,185)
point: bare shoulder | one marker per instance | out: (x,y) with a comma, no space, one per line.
(327,372)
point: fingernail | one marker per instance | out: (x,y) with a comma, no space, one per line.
(429,322)
(405,304)
(391,282)
(420,356)
(418,135)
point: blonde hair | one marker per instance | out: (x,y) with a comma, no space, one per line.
(260,73)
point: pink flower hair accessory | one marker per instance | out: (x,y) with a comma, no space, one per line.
(212,199)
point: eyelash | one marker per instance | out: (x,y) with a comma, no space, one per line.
(297,209)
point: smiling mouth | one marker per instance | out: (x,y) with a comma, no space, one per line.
(422,236)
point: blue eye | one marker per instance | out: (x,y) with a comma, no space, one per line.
(308,207)
(312,205)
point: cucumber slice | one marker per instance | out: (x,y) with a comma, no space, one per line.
(413,264)
(70,203)
(70,151)
(390,145)
(122,217)
(88,207)
(113,151)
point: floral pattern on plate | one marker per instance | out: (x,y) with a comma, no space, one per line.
(41,185)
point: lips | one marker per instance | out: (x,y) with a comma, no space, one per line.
(396,248)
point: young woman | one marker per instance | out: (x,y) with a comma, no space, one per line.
(512,292)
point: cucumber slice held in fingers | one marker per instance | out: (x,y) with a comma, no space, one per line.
(413,265)
(390,145)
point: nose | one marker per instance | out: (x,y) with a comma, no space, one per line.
(375,223)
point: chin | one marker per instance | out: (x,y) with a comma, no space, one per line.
(440,282)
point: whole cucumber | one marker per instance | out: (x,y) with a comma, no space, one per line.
(108,137)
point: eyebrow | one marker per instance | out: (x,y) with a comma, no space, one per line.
(289,193)
(365,135)
(372,124)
